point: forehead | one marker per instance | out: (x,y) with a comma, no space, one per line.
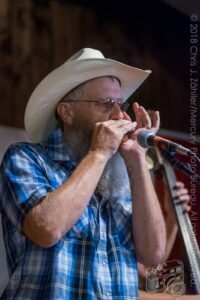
(102,84)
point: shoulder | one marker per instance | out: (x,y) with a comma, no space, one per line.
(21,152)
(23,147)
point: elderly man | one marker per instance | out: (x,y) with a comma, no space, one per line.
(78,205)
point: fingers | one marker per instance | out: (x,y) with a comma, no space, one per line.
(182,196)
(123,123)
(109,122)
(143,119)
(107,136)
(146,121)
(127,127)
(186,208)
(121,127)
(184,203)
(184,200)
(156,120)
(181,191)
(137,115)
(179,184)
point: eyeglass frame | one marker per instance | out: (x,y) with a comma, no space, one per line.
(108,100)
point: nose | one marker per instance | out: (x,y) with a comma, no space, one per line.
(116,113)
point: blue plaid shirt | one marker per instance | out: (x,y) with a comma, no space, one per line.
(94,260)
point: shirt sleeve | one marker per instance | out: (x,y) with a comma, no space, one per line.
(23,183)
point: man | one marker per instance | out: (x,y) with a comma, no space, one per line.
(79,206)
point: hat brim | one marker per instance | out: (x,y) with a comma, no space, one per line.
(40,118)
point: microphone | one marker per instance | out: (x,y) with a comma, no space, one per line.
(146,138)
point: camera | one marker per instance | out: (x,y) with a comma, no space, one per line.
(166,277)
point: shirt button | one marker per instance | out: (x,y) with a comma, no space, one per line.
(108,293)
(104,263)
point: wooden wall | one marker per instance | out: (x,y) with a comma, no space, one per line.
(37,36)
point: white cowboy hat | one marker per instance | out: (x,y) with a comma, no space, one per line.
(84,65)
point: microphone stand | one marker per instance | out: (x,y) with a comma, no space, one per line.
(183,167)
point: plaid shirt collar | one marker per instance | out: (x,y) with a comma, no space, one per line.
(56,146)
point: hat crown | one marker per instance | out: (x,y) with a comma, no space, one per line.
(86,53)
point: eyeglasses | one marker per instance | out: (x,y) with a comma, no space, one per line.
(108,103)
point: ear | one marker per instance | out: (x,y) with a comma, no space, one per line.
(65,112)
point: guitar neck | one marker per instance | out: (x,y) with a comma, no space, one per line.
(191,245)
(186,230)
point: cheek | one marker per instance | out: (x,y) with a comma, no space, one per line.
(98,119)
(83,122)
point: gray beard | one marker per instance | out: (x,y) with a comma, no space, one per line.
(78,143)
(114,181)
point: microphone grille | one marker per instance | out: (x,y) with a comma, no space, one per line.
(143,138)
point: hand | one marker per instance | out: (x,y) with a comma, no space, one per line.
(182,196)
(143,119)
(108,135)
(143,122)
